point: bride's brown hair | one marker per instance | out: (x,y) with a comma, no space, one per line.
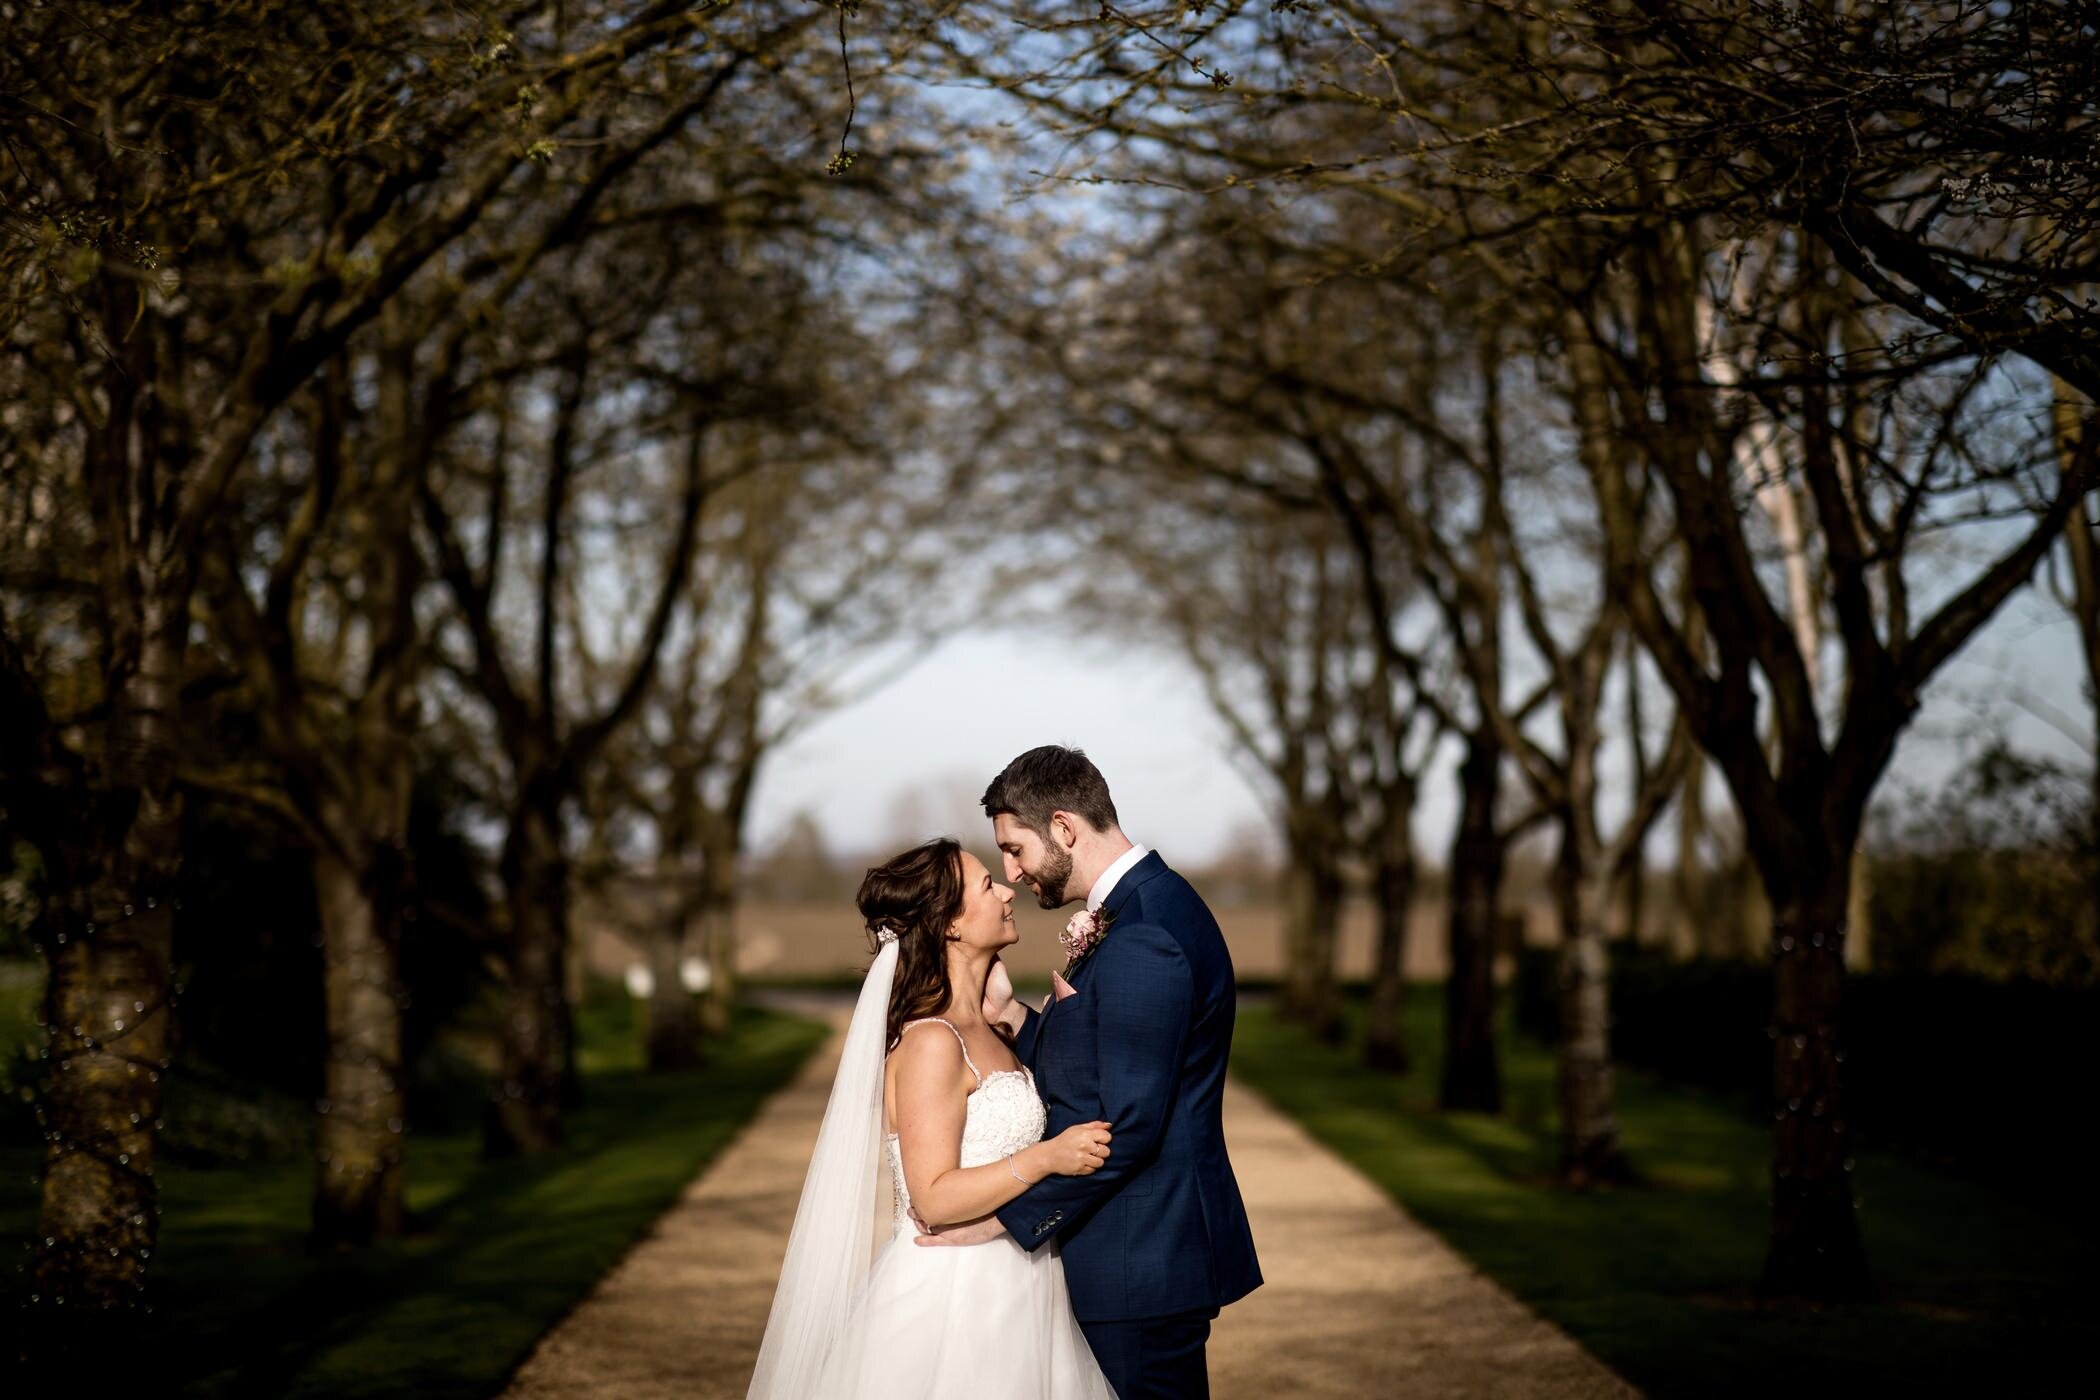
(920,895)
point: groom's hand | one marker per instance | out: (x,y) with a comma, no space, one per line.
(999,1002)
(975,1232)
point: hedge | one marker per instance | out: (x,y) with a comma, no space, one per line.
(1980,1075)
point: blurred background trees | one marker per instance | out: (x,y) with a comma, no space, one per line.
(1755,274)
(447,453)
(393,345)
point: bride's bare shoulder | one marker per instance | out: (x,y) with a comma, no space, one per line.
(929,1053)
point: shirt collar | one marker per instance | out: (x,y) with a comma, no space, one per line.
(1098,895)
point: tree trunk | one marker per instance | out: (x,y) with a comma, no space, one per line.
(1815,1248)
(1323,1015)
(1297,937)
(573,987)
(1589,1125)
(674,1019)
(2089,920)
(1634,901)
(2083,602)
(358,1188)
(360,1182)
(526,1106)
(1385,1040)
(1748,933)
(110,997)
(1692,937)
(108,916)
(106,1011)
(2082,549)
(1313,894)
(1472,1079)
(718,939)
(721,835)
(1635,878)
(1859,913)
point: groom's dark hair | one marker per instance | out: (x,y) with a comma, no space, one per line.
(1051,779)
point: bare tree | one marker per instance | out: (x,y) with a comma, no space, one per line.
(810,567)
(2078,588)
(182,255)
(1617,160)
(546,732)
(330,657)
(1399,729)
(1272,628)
(1246,374)
(1802,807)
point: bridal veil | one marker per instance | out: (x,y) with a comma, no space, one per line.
(833,1238)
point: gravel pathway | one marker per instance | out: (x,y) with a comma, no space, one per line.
(1360,1300)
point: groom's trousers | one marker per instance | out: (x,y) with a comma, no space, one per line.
(1153,1358)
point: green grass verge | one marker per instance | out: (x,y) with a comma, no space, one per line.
(1981,1293)
(21,994)
(499,1252)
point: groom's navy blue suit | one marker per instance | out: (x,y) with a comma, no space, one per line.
(1156,1241)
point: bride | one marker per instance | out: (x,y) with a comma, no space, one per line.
(926,1083)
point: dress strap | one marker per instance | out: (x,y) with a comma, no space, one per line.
(935,1020)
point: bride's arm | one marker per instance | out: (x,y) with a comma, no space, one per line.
(933,1086)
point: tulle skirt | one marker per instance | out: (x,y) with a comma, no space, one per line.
(988,1321)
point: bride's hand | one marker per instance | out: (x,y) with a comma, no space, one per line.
(948,1236)
(998,993)
(1077,1151)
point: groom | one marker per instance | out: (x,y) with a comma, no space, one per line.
(1137,1035)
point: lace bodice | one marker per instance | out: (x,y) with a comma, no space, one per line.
(1002,1114)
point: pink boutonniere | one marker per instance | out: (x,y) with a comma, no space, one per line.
(1084,933)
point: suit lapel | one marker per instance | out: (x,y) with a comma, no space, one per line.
(1134,879)
(1118,900)
(1126,888)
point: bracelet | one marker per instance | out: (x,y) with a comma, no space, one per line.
(1016,1171)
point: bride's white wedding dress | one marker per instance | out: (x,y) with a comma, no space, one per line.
(976,1322)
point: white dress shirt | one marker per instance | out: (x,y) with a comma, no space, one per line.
(1098,895)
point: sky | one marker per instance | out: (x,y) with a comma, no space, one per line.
(908,759)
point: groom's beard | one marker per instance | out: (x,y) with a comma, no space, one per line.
(1051,880)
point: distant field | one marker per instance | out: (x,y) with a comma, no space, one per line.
(812,940)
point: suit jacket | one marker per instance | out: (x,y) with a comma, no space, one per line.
(1142,1045)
